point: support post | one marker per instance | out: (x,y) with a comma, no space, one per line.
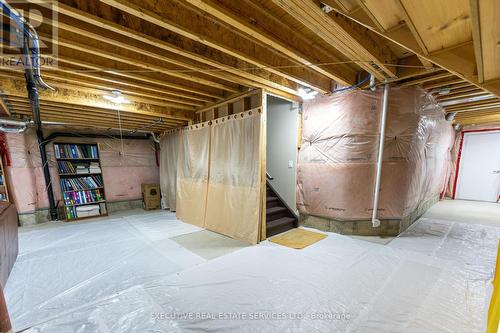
(378,177)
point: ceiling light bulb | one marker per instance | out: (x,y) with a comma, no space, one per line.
(307,95)
(116,98)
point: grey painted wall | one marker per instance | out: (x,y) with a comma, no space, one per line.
(282,126)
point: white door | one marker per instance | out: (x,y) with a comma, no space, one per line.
(479,173)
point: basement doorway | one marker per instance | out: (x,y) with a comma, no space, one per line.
(479,167)
(281,161)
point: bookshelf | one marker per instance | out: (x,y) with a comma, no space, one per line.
(4,191)
(80,177)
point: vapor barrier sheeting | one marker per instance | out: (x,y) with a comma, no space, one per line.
(60,269)
(169,146)
(126,164)
(337,160)
(233,204)
(435,277)
(192,174)
(218,174)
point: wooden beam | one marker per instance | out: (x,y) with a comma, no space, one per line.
(253,29)
(343,36)
(476,38)
(412,28)
(459,61)
(148,65)
(126,87)
(116,123)
(3,107)
(426,79)
(493,119)
(471,104)
(65,96)
(95,123)
(443,84)
(185,49)
(476,93)
(177,18)
(65,109)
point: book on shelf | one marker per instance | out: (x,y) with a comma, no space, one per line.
(82,169)
(65,167)
(85,211)
(76,151)
(83,197)
(82,183)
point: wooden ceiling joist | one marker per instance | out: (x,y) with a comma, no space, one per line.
(65,96)
(344,37)
(458,59)
(248,20)
(68,110)
(175,17)
(218,60)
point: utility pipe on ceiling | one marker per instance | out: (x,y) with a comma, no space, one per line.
(19,126)
(378,177)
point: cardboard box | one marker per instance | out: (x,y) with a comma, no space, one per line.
(151,198)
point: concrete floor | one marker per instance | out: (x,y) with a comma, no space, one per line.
(148,272)
(471,212)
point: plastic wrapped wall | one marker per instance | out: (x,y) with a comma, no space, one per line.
(337,160)
(169,147)
(125,166)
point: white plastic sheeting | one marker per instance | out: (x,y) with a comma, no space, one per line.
(233,200)
(62,269)
(169,147)
(432,278)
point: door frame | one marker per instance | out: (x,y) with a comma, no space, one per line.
(459,155)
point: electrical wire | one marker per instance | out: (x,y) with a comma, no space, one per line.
(353,86)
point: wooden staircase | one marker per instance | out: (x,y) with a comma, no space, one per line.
(279,218)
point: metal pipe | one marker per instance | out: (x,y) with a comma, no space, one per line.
(378,177)
(32,87)
(20,126)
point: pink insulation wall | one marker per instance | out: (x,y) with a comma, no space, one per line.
(337,160)
(124,169)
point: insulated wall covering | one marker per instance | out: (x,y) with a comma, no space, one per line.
(169,146)
(125,166)
(337,160)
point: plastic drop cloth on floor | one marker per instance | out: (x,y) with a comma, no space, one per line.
(432,278)
(60,269)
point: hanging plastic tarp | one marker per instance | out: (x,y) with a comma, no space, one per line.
(192,174)
(169,146)
(233,205)
(337,160)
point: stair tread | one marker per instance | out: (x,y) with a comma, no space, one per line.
(270,198)
(274,210)
(280,222)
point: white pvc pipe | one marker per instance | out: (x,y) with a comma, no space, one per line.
(383,120)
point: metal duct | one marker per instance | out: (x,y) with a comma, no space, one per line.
(19,126)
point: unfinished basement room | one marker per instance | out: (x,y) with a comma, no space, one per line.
(257,166)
